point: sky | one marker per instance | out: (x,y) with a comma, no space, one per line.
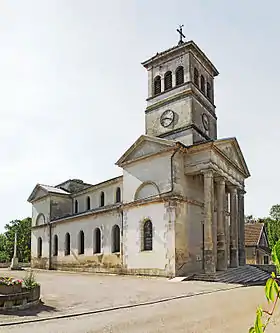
(73,88)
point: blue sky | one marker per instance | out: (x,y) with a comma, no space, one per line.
(73,89)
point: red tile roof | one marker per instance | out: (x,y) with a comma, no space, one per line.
(253,233)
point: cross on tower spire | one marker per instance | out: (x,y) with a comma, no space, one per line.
(180,31)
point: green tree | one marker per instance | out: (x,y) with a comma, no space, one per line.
(23,230)
(272,293)
(275,212)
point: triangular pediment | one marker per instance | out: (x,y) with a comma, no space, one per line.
(41,191)
(145,146)
(231,150)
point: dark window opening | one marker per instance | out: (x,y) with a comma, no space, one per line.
(67,244)
(196,77)
(88,203)
(157,85)
(209,91)
(168,80)
(179,75)
(39,249)
(76,206)
(102,199)
(148,236)
(81,243)
(118,194)
(97,241)
(202,84)
(116,239)
(55,245)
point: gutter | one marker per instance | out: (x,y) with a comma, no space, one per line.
(50,246)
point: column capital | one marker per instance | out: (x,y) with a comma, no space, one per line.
(208,173)
(241,191)
(220,180)
(232,188)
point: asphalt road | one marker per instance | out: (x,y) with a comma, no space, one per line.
(231,311)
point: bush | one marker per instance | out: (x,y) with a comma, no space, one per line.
(4,257)
(30,281)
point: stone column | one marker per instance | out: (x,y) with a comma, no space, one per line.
(241,238)
(233,227)
(221,241)
(209,258)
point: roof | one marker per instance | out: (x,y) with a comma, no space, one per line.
(253,233)
(186,45)
(53,189)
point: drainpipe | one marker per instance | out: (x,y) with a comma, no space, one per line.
(50,246)
(122,237)
(172,171)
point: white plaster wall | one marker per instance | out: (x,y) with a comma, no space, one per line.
(156,169)
(104,221)
(42,232)
(110,196)
(133,256)
(41,206)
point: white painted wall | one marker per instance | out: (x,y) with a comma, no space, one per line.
(41,206)
(134,257)
(104,221)
(156,169)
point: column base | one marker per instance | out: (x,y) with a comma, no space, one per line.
(209,262)
(233,258)
(242,257)
(221,260)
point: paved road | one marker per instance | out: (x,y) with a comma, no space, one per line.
(228,311)
(207,307)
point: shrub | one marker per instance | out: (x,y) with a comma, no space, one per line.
(30,281)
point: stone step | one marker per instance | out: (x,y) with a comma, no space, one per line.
(246,275)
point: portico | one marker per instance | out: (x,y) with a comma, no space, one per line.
(224,170)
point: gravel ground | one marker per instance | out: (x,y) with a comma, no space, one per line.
(221,310)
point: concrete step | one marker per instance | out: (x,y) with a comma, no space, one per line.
(246,275)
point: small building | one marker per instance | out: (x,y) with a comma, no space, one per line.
(256,244)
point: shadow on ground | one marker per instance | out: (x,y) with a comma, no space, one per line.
(33,311)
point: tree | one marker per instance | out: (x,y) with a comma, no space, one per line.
(275,212)
(23,229)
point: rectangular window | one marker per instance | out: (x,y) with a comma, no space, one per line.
(266,260)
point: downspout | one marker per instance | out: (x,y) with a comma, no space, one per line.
(172,169)
(122,254)
(50,246)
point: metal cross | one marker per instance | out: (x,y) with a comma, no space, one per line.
(180,30)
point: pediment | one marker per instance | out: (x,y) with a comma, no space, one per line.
(145,146)
(231,150)
(41,191)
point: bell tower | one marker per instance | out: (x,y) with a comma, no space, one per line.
(180,103)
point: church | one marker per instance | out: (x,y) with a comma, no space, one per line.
(177,209)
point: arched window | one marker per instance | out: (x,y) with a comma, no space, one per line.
(157,85)
(76,208)
(209,90)
(97,241)
(116,239)
(148,236)
(202,84)
(118,194)
(81,242)
(167,80)
(195,75)
(55,245)
(39,248)
(67,244)
(88,203)
(179,75)
(102,199)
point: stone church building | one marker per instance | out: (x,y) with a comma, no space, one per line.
(178,207)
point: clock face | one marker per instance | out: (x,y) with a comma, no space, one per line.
(205,121)
(167,118)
